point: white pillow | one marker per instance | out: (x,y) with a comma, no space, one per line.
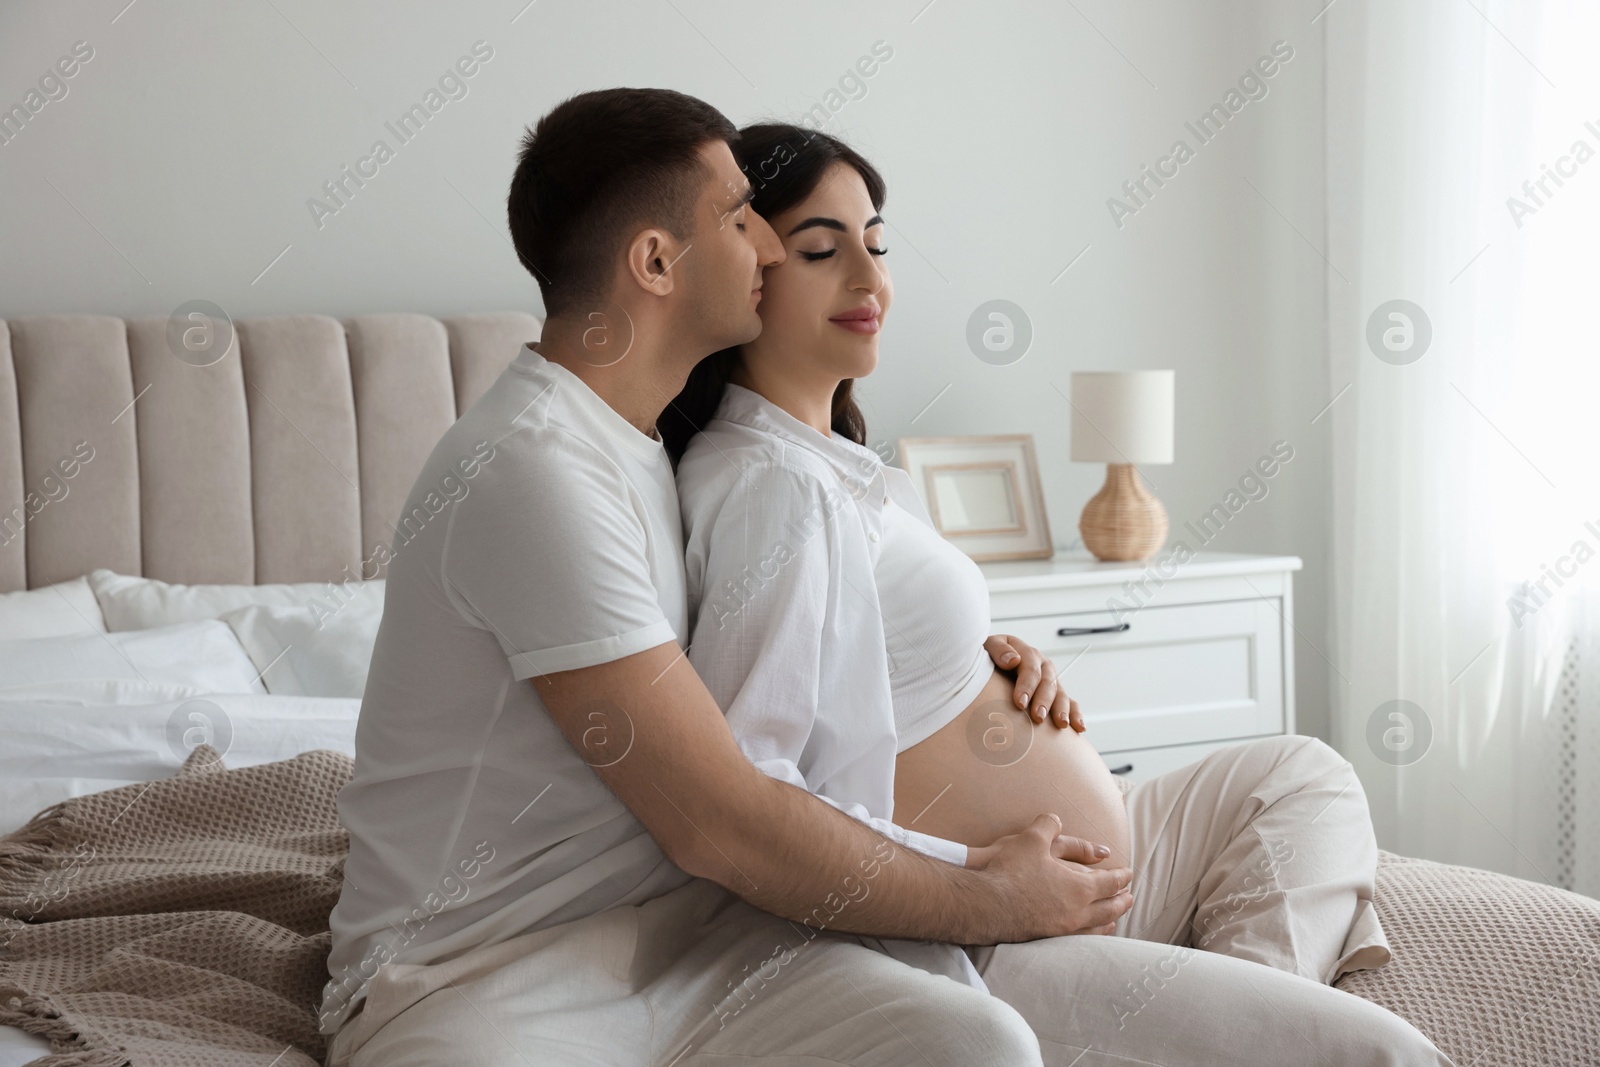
(54,610)
(202,654)
(309,651)
(131,603)
(51,754)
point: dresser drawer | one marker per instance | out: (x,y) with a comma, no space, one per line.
(1177,676)
(1140,764)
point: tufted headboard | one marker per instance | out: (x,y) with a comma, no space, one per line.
(285,461)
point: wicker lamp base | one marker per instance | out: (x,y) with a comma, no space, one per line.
(1123,521)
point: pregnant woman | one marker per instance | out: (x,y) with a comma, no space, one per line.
(842,637)
(815,576)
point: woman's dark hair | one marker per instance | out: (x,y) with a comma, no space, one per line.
(785,164)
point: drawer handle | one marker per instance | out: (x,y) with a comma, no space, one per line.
(1126,768)
(1084,631)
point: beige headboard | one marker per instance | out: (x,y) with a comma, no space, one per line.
(285,461)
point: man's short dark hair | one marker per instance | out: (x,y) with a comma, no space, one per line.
(597,166)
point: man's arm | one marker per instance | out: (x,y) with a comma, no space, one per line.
(652,733)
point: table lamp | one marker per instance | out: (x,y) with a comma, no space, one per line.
(1122,418)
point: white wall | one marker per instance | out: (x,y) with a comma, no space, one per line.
(179,165)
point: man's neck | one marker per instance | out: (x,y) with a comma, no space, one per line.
(637,382)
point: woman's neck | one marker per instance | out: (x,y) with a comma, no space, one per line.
(809,401)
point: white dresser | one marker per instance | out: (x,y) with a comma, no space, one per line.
(1166,663)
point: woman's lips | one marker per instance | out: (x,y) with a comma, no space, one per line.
(862,320)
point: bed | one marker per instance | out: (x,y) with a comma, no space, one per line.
(164,507)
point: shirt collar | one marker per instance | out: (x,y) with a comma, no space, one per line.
(530,361)
(855,464)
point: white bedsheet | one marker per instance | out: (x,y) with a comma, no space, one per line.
(53,750)
(65,740)
(18,1048)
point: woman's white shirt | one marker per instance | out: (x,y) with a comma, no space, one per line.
(782,530)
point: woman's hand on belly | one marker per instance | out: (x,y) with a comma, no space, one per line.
(1036,687)
(987,774)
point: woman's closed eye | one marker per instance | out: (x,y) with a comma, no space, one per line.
(812,257)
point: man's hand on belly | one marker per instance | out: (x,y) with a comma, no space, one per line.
(1037,687)
(1050,868)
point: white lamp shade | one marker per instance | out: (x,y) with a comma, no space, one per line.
(1123,416)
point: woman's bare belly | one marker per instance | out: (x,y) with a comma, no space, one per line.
(990,772)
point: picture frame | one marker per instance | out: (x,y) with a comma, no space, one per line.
(983,493)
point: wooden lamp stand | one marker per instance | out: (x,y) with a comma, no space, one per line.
(1124,520)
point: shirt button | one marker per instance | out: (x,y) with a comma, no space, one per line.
(873,536)
(885,500)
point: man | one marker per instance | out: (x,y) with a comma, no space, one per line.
(547,803)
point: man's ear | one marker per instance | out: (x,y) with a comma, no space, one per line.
(650,258)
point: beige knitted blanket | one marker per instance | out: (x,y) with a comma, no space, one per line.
(182,922)
(1497,971)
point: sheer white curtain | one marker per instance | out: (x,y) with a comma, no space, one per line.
(1469,469)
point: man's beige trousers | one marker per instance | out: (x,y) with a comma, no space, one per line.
(1254,872)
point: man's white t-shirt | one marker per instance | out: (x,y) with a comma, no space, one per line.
(543,535)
